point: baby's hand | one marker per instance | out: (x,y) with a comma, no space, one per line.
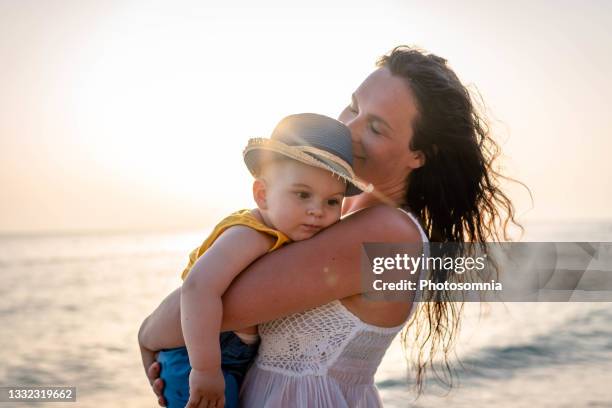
(206,389)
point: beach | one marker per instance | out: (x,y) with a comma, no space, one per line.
(71,305)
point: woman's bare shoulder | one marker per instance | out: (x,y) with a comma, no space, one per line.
(382,221)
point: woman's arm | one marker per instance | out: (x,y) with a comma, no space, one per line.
(312,272)
(305,274)
(162,328)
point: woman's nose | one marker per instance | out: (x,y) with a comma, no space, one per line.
(353,125)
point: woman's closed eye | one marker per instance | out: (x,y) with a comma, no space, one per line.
(373,124)
(374,127)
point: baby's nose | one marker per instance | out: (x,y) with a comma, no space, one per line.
(315,211)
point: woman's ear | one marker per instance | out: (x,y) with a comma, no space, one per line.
(417,159)
(259,193)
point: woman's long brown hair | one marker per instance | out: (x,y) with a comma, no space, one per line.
(456,193)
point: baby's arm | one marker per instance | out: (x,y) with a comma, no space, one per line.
(201,307)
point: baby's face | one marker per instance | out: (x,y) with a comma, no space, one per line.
(302,200)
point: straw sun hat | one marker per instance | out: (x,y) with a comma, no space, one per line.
(311,139)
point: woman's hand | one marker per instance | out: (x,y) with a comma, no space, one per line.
(157,383)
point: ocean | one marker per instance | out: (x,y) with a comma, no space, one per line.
(71,305)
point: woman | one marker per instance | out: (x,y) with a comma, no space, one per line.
(418,139)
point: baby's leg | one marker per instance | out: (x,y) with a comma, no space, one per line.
(236,358)
(175,369)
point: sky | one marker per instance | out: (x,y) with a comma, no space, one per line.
(132,115)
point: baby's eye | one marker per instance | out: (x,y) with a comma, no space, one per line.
(333,202)
(303,195)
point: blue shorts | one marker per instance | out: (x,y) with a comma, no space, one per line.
(236,358)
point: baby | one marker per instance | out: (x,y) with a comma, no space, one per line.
(302,173)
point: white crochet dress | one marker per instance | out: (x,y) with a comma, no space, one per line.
(325,357)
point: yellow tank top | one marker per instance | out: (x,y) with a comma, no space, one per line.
(242,217)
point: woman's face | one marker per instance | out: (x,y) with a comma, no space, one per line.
(380,117)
